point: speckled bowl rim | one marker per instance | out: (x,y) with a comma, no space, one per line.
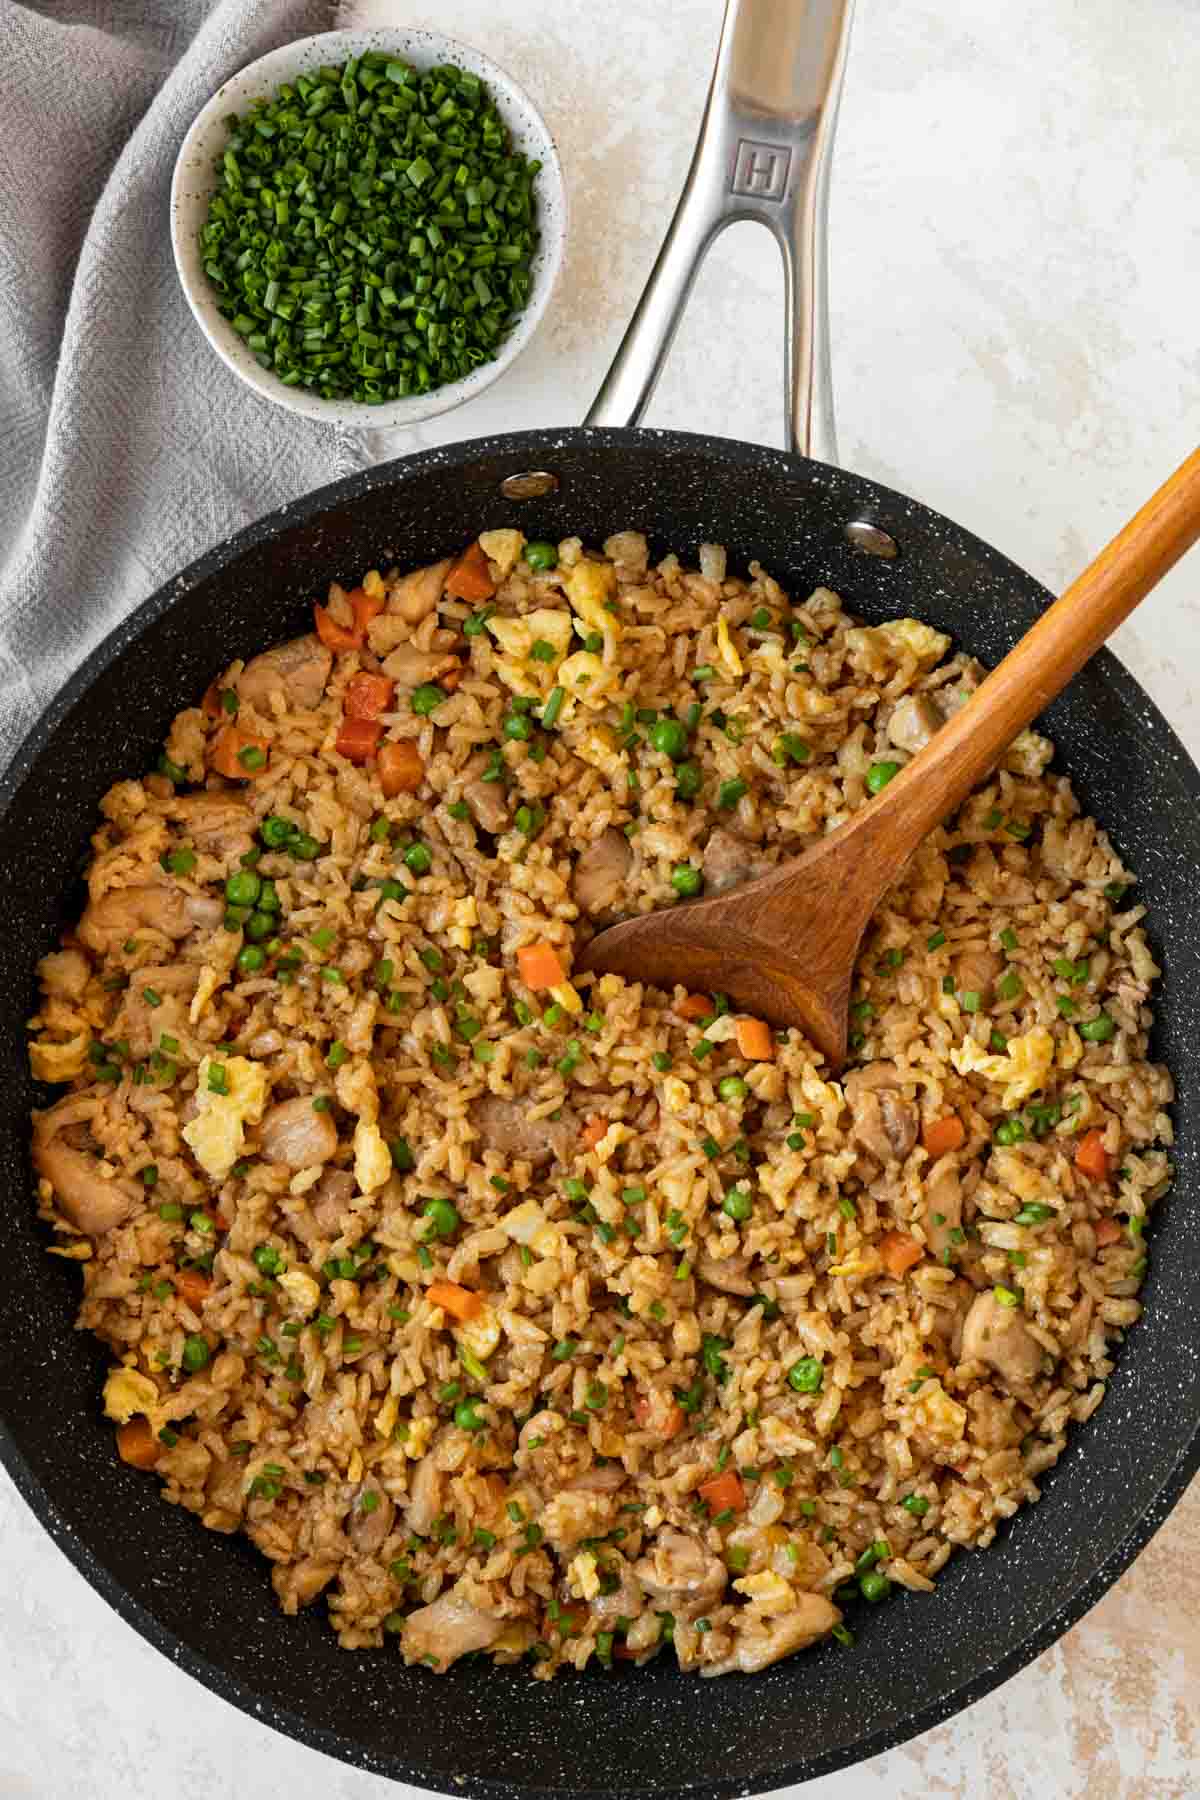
(193,180)
(531,449)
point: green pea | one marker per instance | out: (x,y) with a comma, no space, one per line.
(427,698)
(517,727)
(916,1504)
(873,1586)
(195,1353)
(251,958)
(303,847)
(267,1258)
(1098,1030)
(541,555)
(807,1375)
(688,779)
(259,926)
(268,899)
(732,1087)
(276,832)
(243,888)
(686,880)
(466,1416)
(879,774)
(738,1205)
(418,859)
(1009,1131)
(670,736)
(443,1217)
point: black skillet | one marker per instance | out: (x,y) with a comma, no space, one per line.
(206,1600)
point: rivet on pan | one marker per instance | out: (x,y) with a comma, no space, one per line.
(531,484)
(872,540)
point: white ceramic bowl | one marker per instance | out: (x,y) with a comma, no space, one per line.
(195,178)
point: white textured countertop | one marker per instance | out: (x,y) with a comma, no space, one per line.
(1016,290)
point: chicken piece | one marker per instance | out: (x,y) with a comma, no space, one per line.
(91,1203)
(976,970)
(998,1336)
(300,1582)
(64,974)
(729,860)
(220,823)
(485,798)
(943,1205)
(727,1273)
(117,915)
(410,666)
(913,722)
(884,1122)
(600,873)
(760,1641)
(551,1453)
(626,1599)
(424,1496)
(455,1623)
(297,671)
(416,595)
(576,1514)
(143,1024)
(503,1126)
(371,1525)
(294,1133)
(678,1569)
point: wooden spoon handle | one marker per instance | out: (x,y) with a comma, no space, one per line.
(968,746)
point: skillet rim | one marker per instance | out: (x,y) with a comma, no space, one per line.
(524,446)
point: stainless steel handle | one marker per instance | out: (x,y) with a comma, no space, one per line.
(763,153)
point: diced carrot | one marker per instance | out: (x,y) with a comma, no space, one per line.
(944,1134)
(1091,1158)
(222,1222)
(1108,1231)
(366,607)
(401,770)
(622,1652)
(225,753)
(358,739)
(367,696)
(593,1131)
(469,578)
(334,636)
(137,1444)
(754,1040)
(540,966)
(694,1006)
(665,1421)
(454,1299)
(193,1287)
(899,1252)
(724,1493)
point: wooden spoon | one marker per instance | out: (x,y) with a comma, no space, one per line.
(784,946)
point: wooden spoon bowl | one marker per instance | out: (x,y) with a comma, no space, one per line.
(784,946)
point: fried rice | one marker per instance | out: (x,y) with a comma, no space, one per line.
(566,1319)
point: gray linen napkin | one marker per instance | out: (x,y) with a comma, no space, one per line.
(126,447)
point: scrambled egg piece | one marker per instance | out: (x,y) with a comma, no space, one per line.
(597,745)
(528,1224)
(59,1062)
(567,997)
(303,1293)
(726,650)
(769,1592)
(516,637)
(465,915)
(210,980)
(675,1095)
(217,1135)
(372,1158)
(937,1415)
(902,637)
(587,679)
(1023,1069)
(479,1335)
(583,1577)
(502,548)
(126,1392)
(385,1418)
(589,586)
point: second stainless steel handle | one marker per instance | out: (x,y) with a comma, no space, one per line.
(763,153)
